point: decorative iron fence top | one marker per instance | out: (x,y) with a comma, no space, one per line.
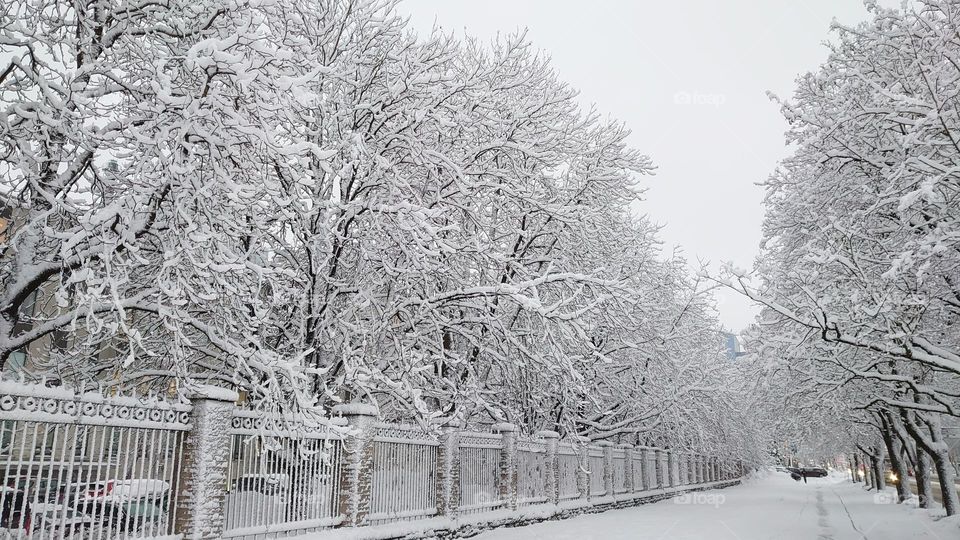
(403,433)
(567,449)
(531,445)
(295,426)
(480,440)
(35,403)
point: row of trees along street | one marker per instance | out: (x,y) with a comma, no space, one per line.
(307,202)
(859,339)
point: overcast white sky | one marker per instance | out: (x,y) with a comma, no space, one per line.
(690,79)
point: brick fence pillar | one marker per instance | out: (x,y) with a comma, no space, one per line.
(552,472)
(448,470)
(657,468)
(665,466)
(644,468)
(508,465)
(583,478)
(206,455)
(627,467)
(356,469)
(672,468)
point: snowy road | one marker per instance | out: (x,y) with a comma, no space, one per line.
(771,508)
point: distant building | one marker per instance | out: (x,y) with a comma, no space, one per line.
(734,345)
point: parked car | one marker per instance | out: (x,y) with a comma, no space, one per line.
(798,473)
(120,505)
(255,499)
(264,499)
(21,513)
(267,484)
(57,520)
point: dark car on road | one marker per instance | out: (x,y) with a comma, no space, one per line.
(806,472)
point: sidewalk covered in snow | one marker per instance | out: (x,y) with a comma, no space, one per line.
(771,507)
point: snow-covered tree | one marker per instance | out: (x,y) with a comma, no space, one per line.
(861,249)
(308,202)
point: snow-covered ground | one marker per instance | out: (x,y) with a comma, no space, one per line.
(767,508)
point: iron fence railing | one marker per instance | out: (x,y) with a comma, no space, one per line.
(90,467)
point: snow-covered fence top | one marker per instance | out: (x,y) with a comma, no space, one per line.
(36,403)
(266,424)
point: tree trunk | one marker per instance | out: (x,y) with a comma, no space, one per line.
(895,451)
(874,456)
(867,471)
(922,474)
(856,467)
(919,459)
(932,442)
(947,477)
(879,481)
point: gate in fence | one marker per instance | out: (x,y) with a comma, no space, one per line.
(91,467)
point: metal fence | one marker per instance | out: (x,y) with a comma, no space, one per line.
(568,470)
(640,482)
(480,472)
(619,471)
(650,457)
(531,472)
(90,467)
(595,468)
(283,475)
(404,473)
